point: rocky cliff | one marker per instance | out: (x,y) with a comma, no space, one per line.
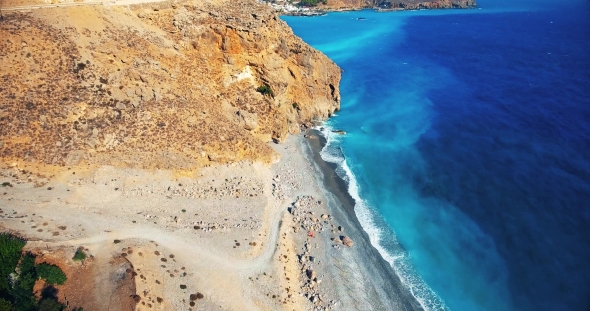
(156,86)
(424,5)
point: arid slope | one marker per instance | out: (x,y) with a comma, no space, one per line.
(156,86)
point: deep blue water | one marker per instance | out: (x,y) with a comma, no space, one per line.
(468,147)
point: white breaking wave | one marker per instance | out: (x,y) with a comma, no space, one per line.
(379,235)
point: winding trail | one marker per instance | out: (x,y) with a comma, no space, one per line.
(191,251)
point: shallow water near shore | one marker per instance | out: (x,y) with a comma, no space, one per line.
(467,148)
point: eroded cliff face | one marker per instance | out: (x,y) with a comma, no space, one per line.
(156,86)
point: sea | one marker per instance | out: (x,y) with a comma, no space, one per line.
(467,147)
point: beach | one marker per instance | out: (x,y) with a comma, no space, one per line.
(242,236)
(383,288)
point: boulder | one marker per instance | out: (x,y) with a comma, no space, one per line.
(250,120)
(311,274)
(347,241)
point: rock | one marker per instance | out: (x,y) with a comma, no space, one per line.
(340,228)
(120,106)
(249,120)
(157,95)
(74,157)
(324,216)
(311,274)
(196,296)
(134,75)
(347,241)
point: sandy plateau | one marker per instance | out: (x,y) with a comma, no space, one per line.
(228,237)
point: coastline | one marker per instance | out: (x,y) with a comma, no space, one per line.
(377,273)
(321,11)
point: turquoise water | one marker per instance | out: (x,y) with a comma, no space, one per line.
(468,148)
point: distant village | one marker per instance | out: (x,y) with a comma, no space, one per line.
(294,7)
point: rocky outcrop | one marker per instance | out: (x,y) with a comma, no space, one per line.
(161,85)
(424,5)
(347,5)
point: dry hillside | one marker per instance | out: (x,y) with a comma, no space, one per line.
(162,85)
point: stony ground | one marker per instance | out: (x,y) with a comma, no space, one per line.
(245,236)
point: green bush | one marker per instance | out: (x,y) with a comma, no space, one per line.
(265,90)
(5,305)
(10,251)
(51,274)
(312,2)
(18,274)
(22,291)
(79,255)
(50,304)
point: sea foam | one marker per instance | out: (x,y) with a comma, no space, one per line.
(381,237)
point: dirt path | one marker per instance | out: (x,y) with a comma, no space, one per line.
(182,235)
(192,253)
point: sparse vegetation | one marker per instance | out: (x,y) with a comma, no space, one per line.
(265,90)
(296,106)
(6,184)
(79,255)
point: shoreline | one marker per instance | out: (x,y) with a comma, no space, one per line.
(312,12)
(341,204)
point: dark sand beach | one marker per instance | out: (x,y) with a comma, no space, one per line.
(385,290)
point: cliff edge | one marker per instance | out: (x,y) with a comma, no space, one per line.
(158,85)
